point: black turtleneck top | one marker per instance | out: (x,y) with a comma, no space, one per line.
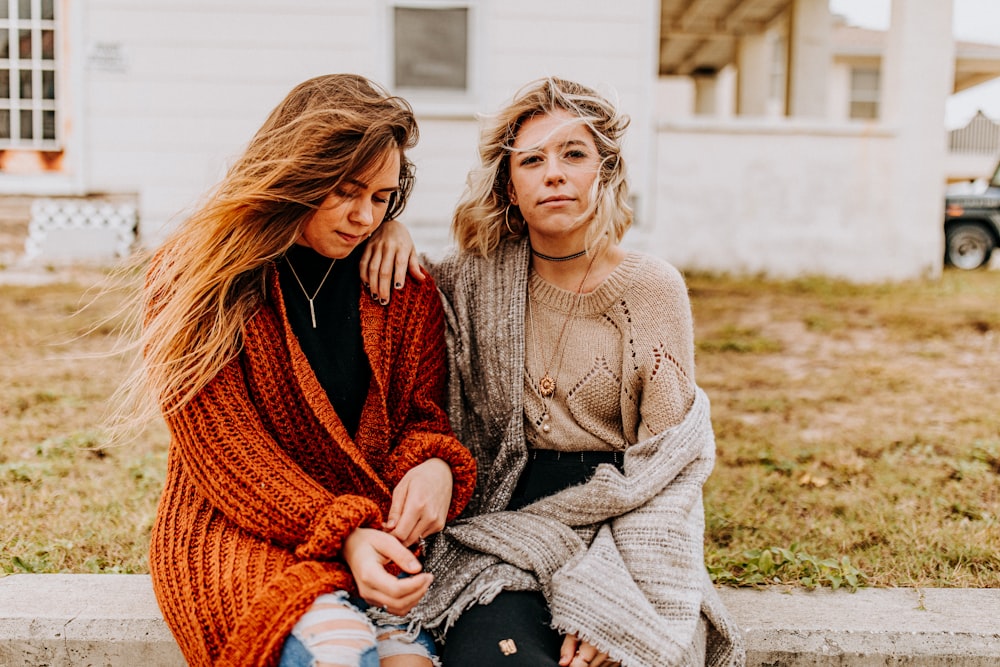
(334,348)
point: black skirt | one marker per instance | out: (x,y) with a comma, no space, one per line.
(549,472)
(513,630)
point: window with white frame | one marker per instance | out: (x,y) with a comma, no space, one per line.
(865,92)
(431,46)
(28,74)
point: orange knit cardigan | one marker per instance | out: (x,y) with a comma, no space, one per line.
(264,483)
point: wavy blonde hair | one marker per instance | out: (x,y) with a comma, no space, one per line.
(485,216)
(208,278)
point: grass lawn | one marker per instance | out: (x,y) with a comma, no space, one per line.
(858,436)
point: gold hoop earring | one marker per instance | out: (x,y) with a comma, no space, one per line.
(506,221)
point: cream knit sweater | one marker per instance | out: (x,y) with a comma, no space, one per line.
(638,315)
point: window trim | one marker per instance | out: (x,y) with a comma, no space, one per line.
(865,96)
(70,178)
(37,106)
(438,102)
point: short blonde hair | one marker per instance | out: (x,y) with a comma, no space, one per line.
(484,215)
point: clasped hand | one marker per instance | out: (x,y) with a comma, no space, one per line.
(419,508)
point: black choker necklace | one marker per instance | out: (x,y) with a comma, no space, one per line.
(564,258)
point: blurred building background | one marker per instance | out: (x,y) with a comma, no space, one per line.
(767,135)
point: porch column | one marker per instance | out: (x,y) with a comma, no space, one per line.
(809,57)
(753,82)
(917,76)
(706,90)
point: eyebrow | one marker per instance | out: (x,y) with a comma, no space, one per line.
(538,147)
(364,186)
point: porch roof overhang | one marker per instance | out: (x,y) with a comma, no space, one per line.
(699,36)
(975,63)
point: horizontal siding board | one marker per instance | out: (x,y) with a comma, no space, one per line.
(569,11)
(115,98)
(275,29)
(242,65)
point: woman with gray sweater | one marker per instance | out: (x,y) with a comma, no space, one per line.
(572,381)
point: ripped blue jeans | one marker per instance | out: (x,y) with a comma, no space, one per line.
(336,630)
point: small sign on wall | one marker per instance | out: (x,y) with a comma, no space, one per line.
(107,57)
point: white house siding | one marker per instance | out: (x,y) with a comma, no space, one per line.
(197,80)
(781,200)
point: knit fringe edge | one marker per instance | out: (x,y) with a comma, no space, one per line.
(483,593)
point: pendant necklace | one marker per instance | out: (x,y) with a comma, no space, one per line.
(547,383)
(312,308)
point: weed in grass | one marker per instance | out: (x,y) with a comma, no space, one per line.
(744,340)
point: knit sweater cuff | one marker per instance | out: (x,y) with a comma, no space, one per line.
(418,448)
(344,515)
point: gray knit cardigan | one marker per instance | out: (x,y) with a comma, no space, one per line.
(619,558)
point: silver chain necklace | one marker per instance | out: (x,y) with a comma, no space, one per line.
(312,308)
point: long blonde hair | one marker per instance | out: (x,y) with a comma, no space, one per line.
(485,216)
(208,278)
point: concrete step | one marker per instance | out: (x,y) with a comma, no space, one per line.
(112,620)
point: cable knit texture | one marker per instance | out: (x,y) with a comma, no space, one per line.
(264,483)
(620,558)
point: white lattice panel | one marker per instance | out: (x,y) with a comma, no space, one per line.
(81,229)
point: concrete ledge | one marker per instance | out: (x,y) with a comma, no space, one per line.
(112,620)
(930,627)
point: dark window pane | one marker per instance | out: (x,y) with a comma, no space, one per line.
(24,37)
(4,123)
(4,42)
(431,47)
(48,45)
(4,84)
(48,125)
(26,129)
(26,84)
(3,11)
(48,85)
(864,110)
(48,10)
(24,9)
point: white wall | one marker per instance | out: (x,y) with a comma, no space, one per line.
(196,79)
(779,199)
(970,166)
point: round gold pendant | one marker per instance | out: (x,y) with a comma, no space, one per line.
(546,386)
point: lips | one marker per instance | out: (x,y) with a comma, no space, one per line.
(556,199)
(350,238)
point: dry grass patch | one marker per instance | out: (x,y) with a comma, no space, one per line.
(866,427)
(858,437)
(70,504)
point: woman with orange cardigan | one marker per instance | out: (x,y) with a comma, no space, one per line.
(310,454)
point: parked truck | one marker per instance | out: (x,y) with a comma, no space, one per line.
(972,226)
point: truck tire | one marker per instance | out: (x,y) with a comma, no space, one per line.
(968,246)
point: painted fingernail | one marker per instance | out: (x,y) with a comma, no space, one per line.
(375,296)
(383,301)
(399,285)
